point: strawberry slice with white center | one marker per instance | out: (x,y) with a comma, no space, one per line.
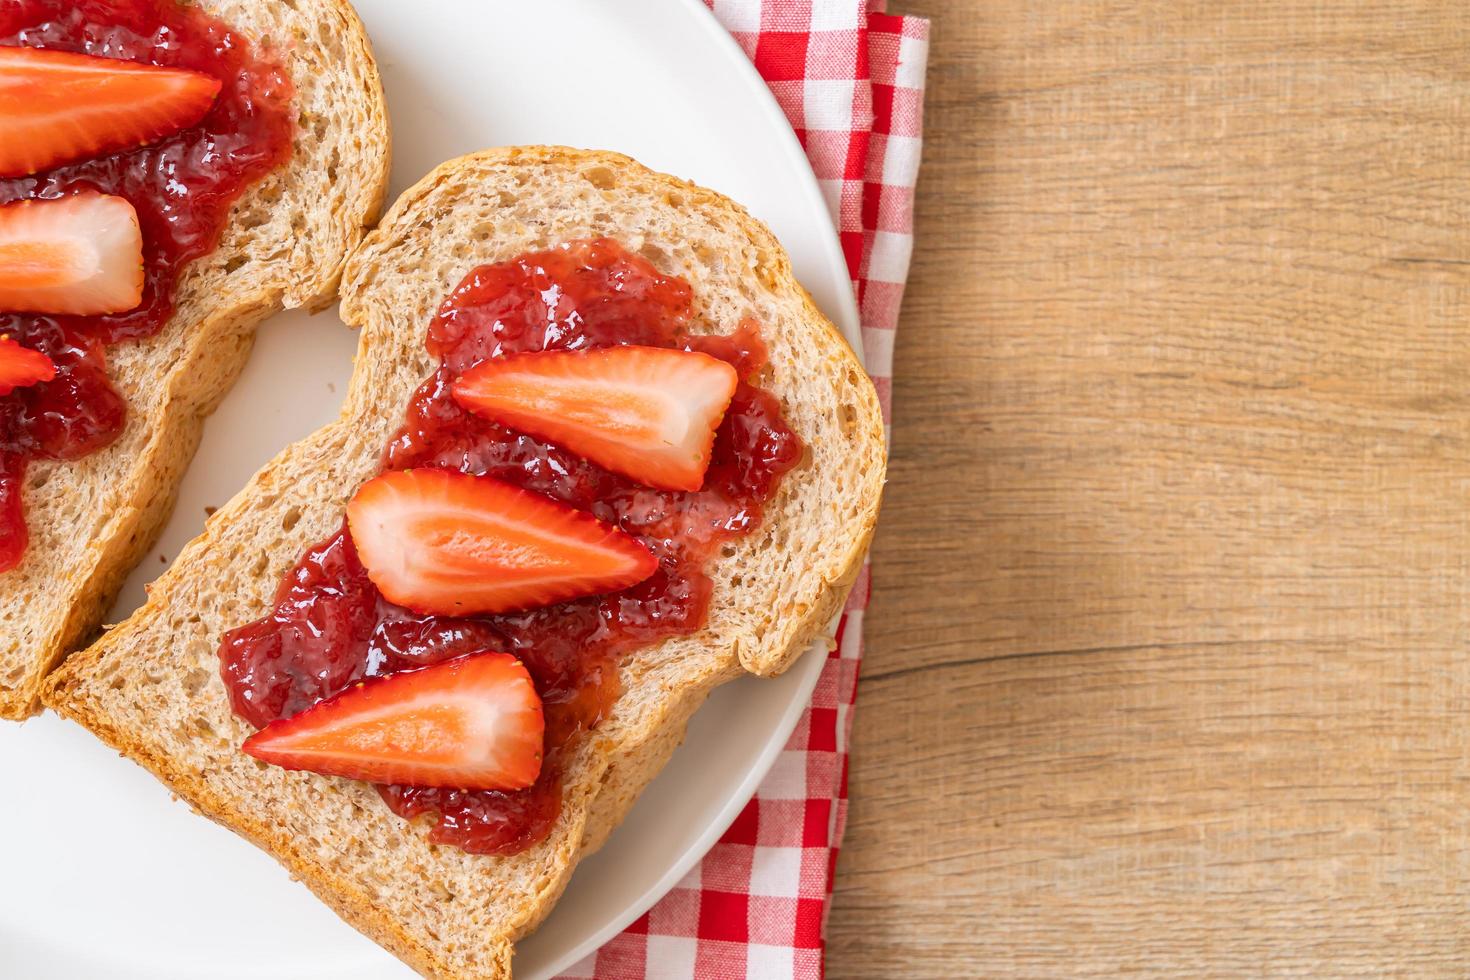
(470,723)
(649,413)
(58,107)
(450,544)
(81,254)
(21,366)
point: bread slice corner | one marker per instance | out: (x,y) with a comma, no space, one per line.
(91,520)
(151,687)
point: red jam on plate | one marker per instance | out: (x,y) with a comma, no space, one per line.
(330,627)
(182,188)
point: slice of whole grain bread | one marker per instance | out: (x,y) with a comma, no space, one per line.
(92,519)
(151,687)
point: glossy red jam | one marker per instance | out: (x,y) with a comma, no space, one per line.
(182,188)
(330,627)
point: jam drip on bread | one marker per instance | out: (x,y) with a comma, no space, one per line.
(330,627)
(181,185)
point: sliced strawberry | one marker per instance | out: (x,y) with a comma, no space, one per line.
(21,366)
(649,413)
(81,254)
(450,544)
(474,722)
(58,107)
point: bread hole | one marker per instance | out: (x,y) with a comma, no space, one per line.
(235,262)
(601,177)
(205,729)
(728,551)
(261,563)
(332,163)
(12,678)
(195,680)
(291,518)
(251,219)
(849,418)
(674,199)
(601,218)
(655,255)
(736,581)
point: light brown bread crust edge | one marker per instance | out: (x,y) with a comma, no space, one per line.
(230,339)
(775,656)
(218,350)
(629,772)
(629,766)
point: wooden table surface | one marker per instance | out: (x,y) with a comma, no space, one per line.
(1168,665)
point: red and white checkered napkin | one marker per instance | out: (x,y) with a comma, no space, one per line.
(851,79)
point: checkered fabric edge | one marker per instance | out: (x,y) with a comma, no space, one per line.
(850,77)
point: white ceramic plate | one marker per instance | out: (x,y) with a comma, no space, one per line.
(105,875)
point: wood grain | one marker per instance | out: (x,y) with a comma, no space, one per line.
(1167,667)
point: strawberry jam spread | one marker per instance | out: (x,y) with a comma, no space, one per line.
(182,188)
(331,628)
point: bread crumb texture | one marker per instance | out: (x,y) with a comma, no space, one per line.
(92,520)
(151,687)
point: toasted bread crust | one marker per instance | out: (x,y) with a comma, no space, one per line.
(93,519)
(150,688)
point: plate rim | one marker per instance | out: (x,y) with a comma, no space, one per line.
(813,660)
(818,245)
